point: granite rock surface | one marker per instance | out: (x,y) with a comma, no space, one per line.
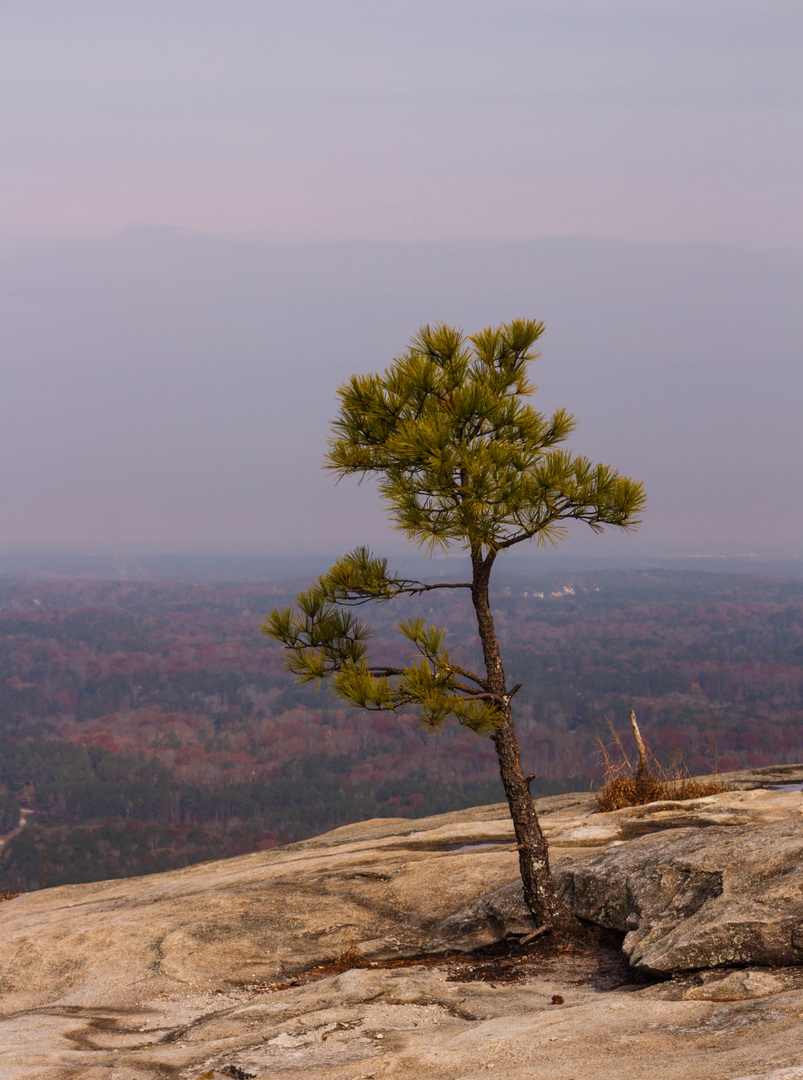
(208,972)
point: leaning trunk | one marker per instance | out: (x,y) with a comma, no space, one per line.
(539,889)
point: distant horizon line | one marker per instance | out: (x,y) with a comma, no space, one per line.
(154,231)
(42,556)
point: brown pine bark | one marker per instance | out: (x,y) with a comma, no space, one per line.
(539,888)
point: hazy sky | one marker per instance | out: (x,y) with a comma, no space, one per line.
(211,214)
(404,119)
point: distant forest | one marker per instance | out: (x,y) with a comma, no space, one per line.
(147,725)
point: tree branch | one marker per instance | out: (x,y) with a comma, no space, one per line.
(468,691)
(400,587)
(421,587)
(470,675)
(528,535)
(478,695)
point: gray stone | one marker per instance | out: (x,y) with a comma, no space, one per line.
(727,984)
(496,916)
(695,898)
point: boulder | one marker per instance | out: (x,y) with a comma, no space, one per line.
(694,898)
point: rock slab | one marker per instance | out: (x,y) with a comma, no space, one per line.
(196,973)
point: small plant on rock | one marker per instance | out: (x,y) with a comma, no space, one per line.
(629,785)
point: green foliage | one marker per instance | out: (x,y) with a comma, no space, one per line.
(9,813)
(326,642)
(460,458)
(72,782)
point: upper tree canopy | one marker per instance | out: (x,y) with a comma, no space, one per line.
(460,458)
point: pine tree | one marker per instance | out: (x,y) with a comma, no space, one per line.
(461,460)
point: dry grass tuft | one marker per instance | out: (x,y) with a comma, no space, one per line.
(621,791)
(9,893)
(634,785)
(348,957)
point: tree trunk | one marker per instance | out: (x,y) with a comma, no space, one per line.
(539,889)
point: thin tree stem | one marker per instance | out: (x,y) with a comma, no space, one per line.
(539,891)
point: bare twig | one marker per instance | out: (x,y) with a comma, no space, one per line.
(643,765)
(536,933)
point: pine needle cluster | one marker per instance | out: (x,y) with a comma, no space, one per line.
(460,456)
(325,640)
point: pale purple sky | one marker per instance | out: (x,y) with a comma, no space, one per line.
(406,119)
(211,214)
